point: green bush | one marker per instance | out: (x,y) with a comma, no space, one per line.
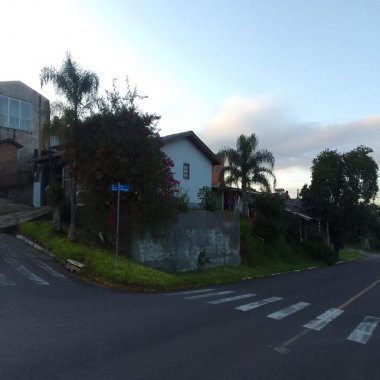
(320,251)
(208,199)
(269,222)
(183,201)
(272,256)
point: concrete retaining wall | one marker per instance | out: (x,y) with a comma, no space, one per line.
(199,239)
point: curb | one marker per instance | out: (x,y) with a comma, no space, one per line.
(36,246)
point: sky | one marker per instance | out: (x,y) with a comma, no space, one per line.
(303,75)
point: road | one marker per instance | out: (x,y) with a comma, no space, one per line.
(317,324)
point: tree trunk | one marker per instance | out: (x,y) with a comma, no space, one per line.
(244,206)
(73,211)
(57,218)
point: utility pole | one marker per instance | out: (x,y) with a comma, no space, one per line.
(298,213)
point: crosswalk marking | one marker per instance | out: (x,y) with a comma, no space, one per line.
(24,271)
(188,292)
(4,280)
(209,295)
(33,277)
(51,271)
(324,319)
(288,311)
(11,261)
(222,300)
(364,330)
(361,334)
(257,304)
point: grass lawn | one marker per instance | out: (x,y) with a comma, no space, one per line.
(101,265)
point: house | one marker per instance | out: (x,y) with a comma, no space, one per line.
(48,166)
(23,112)
(193,162)
(8,162)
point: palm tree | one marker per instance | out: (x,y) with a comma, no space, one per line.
(79,89)
(247,166)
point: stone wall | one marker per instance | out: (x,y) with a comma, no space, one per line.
(199,239)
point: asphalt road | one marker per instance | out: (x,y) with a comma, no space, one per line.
(317,324)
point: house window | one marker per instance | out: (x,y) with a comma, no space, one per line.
(186,171)
(15,114)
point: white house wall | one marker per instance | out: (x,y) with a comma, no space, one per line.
(183,151)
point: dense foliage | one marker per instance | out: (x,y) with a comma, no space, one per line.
(120,144)
(269,221)
(341,190)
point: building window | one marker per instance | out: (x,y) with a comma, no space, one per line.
(186,171)
(15,114)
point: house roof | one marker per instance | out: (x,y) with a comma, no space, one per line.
(293,206)
(196,141)
(48,156)
(12,141)
(17,84)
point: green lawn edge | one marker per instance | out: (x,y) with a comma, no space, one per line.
(101,266)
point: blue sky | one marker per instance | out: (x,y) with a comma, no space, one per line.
(302,75)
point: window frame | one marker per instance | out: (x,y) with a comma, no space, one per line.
(13,121)
(186,171)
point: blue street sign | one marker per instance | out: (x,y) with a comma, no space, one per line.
(119,186)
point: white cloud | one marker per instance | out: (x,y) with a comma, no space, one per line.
(293,143)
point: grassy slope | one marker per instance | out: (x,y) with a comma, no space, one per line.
(100,262)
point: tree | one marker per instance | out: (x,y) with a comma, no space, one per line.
(247,166)
(79,89)
(269,221)
(120,143)
(341,184)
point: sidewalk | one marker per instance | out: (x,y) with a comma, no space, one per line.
(12,213)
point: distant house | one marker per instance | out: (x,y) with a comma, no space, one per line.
(193,162)
(23,112)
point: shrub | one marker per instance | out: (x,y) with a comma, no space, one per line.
(320,251)
(207,198)
(183,201)
(269,221)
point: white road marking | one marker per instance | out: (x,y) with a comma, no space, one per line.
(4,280)
(364,330)
(11,261)
(33,277)
(324,319)
(26,272)
(257,304)
(209,295)
(188,292)
(288,311)
(51,271)
(222,300)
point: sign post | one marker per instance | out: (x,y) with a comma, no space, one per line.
(119,188)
